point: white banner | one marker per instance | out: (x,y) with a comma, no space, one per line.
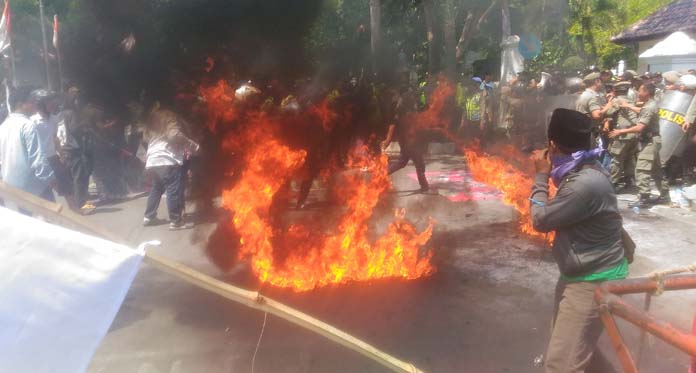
(59,293)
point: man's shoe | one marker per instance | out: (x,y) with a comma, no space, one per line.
(179,225)
(87,209)
(661,200)
(148,222)
(642,202)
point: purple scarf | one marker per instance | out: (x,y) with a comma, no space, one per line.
(562,165)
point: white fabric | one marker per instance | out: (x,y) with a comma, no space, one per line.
(59,293)
(48,130)
(688,81)
(512,61)
(161,153)
(677,44)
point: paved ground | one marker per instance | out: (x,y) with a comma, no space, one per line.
(487,309)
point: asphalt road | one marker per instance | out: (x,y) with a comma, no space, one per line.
(487,309)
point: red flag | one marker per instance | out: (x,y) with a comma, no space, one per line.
(5,28)
(55,31)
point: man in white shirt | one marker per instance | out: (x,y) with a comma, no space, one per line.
(168,148)
(23,159)
(46,121)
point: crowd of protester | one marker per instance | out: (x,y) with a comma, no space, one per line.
(62,143)
(55,144)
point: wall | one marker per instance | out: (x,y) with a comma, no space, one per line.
(642,47)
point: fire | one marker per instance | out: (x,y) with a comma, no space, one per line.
(219,100)
(304,256)
(502,166)
(510,181)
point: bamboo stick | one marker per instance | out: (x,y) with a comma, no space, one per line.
(248,298)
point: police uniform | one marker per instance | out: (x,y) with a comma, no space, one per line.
(648,165)
(588,102)
(624,148)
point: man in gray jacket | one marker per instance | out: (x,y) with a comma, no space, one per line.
(588,246)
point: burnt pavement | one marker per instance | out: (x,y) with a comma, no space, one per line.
(486,309)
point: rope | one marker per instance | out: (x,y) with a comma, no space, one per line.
(258,343)
(659,276)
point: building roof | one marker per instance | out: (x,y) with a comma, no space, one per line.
(677,44)
(680,15)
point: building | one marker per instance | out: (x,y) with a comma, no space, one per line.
(680,15)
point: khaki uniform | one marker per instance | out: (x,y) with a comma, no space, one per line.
(588,102)
(624,148)
(511,118)
(648,166)
(691,112)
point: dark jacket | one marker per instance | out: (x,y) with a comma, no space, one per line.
(585,216)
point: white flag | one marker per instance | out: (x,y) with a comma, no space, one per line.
(5,24)
(59,293)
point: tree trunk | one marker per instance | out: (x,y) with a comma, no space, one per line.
(588,38)
(449,26)
(471,28)
(375,33)
(433,42)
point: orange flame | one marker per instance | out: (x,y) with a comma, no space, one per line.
(514,184)
(503,166)
(303,257)
(219,100)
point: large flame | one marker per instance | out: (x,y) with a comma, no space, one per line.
(501,166)
(513,183)
(306,256)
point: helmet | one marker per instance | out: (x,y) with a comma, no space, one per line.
(246,91)
(41,96)
(573,84)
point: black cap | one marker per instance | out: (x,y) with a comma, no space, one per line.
(570,129)
(20,95)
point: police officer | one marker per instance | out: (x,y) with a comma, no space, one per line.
(624,148)
(591,102)
(671,79)
(630,76)
(648,166)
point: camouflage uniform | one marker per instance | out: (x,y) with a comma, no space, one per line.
(648,166)
(624,148)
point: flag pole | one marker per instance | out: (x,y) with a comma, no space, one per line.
(45,45)
(56,44)
(7,17)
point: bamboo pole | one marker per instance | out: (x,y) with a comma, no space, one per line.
(248,298)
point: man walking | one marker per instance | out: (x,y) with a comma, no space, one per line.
(22,157)
(648,166)
(46,121)
(588,245)
(76,139)
(412,147)
(167,151)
